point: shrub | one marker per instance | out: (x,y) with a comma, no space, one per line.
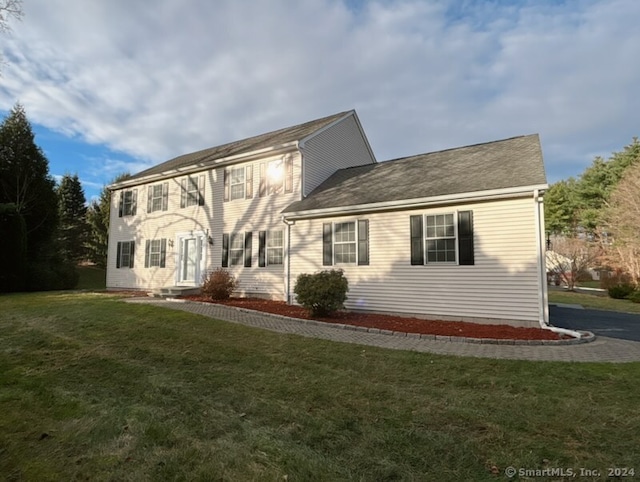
(635,296)
(322,293)
(218,284)
(621,291)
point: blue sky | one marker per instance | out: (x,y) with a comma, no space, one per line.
(114,86)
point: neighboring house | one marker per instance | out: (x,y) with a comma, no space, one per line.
(454,235)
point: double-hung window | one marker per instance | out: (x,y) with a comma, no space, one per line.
(158,197)
(128,202)
(192,194)
(442,238)
(270,248)
(236,249)
(346,243)
(238,183)
(125,254)
(155,253)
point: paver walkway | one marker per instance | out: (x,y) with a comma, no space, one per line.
(603,349)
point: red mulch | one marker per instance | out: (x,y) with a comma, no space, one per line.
(393,323)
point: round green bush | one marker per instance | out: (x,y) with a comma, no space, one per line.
(621,291)
(322,293)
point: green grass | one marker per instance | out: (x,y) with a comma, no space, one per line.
(593,301)
(91,278)
(589,284)
(94,388)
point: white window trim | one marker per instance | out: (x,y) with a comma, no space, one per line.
(270,185)
(334,242)
(155,198)
(125,211)
(153,253)
(122,245)
(280,247)
(240,183)
(192,195)
(232,236)
(455,232)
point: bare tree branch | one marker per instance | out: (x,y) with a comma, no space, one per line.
(9,9)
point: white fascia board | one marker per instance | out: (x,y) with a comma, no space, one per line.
(405,204)
(223,161)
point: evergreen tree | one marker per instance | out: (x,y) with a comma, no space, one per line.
(25,182)
(72,212)
(98,220)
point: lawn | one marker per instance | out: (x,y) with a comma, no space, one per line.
(94,388)
(593,301)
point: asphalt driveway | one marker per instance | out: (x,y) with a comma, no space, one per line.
(625,326)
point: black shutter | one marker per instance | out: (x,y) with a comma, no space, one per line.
(183,193)
(165,196)
(249,182)
(262,247)
(163,252)
(288,174)
(226,185)
(465,238)
(262,188)
(118,254)
(417,246)
(225,250)
(201,190)
(147,253)
(149,198)
(134,202)
(363,242)
(247,249)
(327,246)
(121,204)
(132,253)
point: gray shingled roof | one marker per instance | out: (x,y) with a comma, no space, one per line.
(494,165)
(262,141)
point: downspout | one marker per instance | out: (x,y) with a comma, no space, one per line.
(542,271)
(289,224)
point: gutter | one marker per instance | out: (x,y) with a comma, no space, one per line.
(418,203)
(190,169)
(289,224)
(542,271)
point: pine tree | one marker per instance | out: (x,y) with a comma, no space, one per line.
(25,182)
(72,212)
(98,220)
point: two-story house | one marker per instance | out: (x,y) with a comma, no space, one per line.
(456,234)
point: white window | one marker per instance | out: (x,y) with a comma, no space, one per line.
(192,191)
(124,258)
(156,197)
(275,244)
(236,249)
(344,242)
(128,201)
(237,183)
(155,250)
(275,176)
(440,237)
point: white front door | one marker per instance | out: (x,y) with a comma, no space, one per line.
(189,260)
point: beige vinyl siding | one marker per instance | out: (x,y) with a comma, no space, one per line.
(215,217)
(341,145)
(501,285)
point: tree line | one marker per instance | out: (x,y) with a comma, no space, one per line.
(594,220)
(46,228)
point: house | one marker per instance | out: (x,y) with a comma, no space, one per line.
(454,235)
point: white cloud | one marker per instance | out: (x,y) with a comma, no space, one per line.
(155,82)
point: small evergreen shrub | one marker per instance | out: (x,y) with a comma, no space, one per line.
(322,293)
(621,291)
(635,296)
(218,285)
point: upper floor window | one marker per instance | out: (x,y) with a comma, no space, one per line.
(192,191)
(276,176)
(238,183)
(128,202)
(346,243)
(125,254)
(442,238)
(158,197)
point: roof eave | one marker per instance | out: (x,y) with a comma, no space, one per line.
(201,166)
(404,204)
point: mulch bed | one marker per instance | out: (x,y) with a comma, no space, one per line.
(393,323)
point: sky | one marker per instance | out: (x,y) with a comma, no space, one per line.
(114,86)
